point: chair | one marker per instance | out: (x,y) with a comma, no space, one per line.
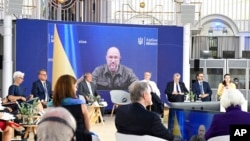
(220,138)
(130,137)
(119,97)
(82,98)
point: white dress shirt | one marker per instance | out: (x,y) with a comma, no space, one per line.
(153,86)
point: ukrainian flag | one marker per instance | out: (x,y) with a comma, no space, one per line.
(61,61)
(177,130)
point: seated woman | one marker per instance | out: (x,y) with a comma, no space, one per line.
(6,130)
(65,95)
(231,100)
(17,93)
(224,85)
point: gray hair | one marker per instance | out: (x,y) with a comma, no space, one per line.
(232,97)
(57,131)
(177,74)
(18,74)
(136,90)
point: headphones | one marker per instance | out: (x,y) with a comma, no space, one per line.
(60,120)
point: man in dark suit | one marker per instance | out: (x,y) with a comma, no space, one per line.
(135,119)
(175,89)
(42,88)
(201,88)
(87,88)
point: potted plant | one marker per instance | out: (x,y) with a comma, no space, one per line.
(28,110)
(190,96)
(94,99)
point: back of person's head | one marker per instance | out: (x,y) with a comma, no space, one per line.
(18,74)
(232,97)
(65,87)
(136,90)
(57,124)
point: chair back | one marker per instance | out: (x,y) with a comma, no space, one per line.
(82,98)
(120,97)
(130,137)
(220,138)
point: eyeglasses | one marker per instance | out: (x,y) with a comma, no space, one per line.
(21,78)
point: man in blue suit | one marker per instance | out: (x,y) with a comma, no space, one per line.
(42,88)
(201,88)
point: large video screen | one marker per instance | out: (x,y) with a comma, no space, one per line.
(76,49)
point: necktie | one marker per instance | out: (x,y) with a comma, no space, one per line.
(201,88)
(177,88)
(45,91)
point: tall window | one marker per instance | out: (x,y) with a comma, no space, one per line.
(213,46)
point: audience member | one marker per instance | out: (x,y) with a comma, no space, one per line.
(17,93)
(201,88)
(152,84)
(5,129)
(135,119)
(113,75)
(237,83)
(87,88)
(42,88)
(61,123)
(65,95)
(175,89)
(231,100)
(201,134)
(157,105)
(225,84)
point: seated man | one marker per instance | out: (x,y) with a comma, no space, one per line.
(87,88)
(158,105)
(42,88)
(136,119)
(176,89)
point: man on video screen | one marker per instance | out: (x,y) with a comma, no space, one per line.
(113,75)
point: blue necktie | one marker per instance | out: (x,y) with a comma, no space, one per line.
(46,92)
(201,88)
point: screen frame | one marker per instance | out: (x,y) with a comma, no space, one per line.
(246,54)
(205,54)
(228,54)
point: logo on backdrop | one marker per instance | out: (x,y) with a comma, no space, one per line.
(140,40)
(147,41)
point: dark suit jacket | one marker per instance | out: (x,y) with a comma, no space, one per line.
(175,98)
(83,89)
(206,88)
(38,91)
(221,122)
(135,119)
